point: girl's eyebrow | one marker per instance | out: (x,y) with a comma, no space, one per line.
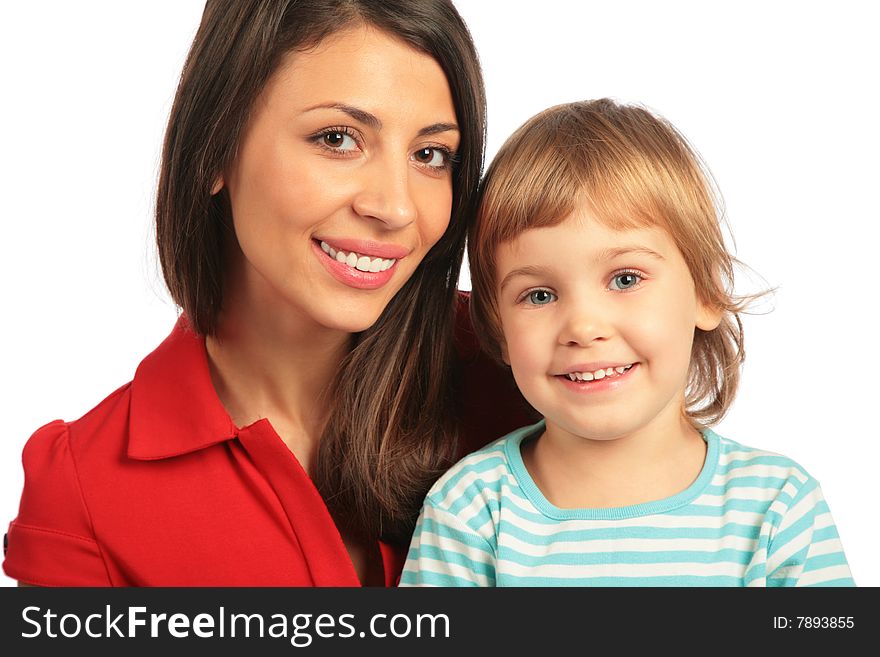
(527,270)
(610,254)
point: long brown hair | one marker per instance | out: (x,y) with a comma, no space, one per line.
(389,434)
(633,169)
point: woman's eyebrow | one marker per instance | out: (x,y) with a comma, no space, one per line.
(354,112)
(373,121)
(527,270)
(436,128)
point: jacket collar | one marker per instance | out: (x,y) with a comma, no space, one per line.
(174,407)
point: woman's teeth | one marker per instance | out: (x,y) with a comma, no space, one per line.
(356,260)
(598,374)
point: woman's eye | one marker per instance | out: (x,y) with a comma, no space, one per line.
(338,141)
(436,158)
(540,297)
(625,281)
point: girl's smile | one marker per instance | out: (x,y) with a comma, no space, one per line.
(593,380)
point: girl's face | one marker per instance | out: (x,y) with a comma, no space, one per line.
(598,325)
(342,180)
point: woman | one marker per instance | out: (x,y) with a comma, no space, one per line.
(319,162)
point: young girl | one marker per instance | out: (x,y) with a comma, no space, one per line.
(601,278)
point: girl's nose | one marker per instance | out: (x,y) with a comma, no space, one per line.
(385,193)
(583,324)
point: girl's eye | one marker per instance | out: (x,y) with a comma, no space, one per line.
(540,297)
(337,140)
(625,281)
(431,156)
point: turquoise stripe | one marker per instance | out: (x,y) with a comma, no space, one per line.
(710,510)
(724,556)
(428,578)
(736,504)
(843,581)
(620,533)
(729,446)
(825,534)
(761,459)
(665,580)
(450,556)
(758,571)
(824,561)
(434,527)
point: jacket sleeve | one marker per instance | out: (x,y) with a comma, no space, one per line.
(51,542)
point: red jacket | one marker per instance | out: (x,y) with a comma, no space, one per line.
(156,486)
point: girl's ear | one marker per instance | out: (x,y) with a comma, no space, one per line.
(708,317)
(218,185)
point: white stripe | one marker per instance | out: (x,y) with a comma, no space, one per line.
(823,520)
(824,575)
(829,546)
(454,546)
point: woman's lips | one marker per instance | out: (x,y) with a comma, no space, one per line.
(351,275)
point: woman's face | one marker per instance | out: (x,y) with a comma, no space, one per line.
(342,181)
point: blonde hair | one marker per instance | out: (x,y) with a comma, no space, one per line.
(633,169)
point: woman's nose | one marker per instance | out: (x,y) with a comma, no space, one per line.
(385,193)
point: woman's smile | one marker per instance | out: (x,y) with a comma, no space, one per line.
(364,268)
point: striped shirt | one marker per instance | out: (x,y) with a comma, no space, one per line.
(751,518)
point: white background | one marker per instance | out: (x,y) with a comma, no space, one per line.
(780,99)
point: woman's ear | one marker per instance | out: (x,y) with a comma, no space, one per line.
(218,185)
(504,357)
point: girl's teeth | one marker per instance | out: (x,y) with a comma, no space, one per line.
(598,374)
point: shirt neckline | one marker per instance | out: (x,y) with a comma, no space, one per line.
(536,497)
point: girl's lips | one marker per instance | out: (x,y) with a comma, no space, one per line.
(605,384)
(349,276)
